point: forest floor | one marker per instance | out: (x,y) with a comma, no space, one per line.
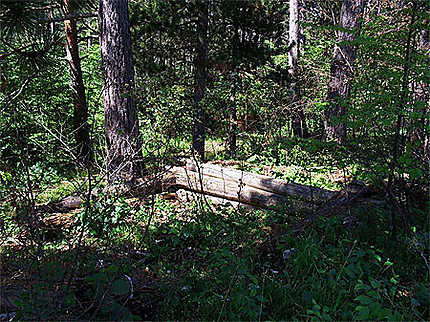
(159,258)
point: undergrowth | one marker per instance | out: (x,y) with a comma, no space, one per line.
(158,259)
(200,263)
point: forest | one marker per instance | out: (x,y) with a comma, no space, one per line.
(214,160)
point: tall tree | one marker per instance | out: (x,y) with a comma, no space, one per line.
(298,121)
(232,108)
(423,89)
(123,144)
(199,130)
(80,111)
(342,70)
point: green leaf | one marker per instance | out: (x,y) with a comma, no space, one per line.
(363,312)
(120,287)
(364,299)
(70,299)
(377,310)
(415,173)
(261,299)
(374,295)
(388,263)
(394,281)
(307,297)
(374,283)
(112,269)
(361,287)
(349,270)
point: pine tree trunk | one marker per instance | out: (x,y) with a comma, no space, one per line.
(342,71)
(423,90)
(298,119)
(123,145)
(80,111)
(232,111)
(199,130)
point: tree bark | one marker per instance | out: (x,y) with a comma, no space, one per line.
(234,190)
(298,118)
(223,184)
(187,196)
(342,70)
(123,144)
(80,110)
(199,128)
(231,150)
(423,90)
(261,182)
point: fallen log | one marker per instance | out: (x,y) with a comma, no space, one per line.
(266,192)
(222,185)
(355,193)
(143,187)
(234,190)
(296,191)
(186,196)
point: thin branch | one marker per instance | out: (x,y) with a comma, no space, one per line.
(15,94)
(2,56)
(74,16)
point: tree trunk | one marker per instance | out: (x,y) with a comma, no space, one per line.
(342,71)
(223,184)
(123,145)
(234,189)
(263,191)
(423,90)
(52,23)
(298,119)
(232,110)
(199,130)
(186,196)
(80,111)
(261,182)
(232,133)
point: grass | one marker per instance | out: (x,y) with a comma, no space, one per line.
(230,265)
(332,275)
(189,262)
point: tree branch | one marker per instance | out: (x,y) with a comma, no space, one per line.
(74,16)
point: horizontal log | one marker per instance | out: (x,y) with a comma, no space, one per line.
(265,183)
(222,185)
(233,190)
(144,186)
(64,205)
(186,196)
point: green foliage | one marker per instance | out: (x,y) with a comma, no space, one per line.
(329,277)
(104,217)
(223,263)
(218,263)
